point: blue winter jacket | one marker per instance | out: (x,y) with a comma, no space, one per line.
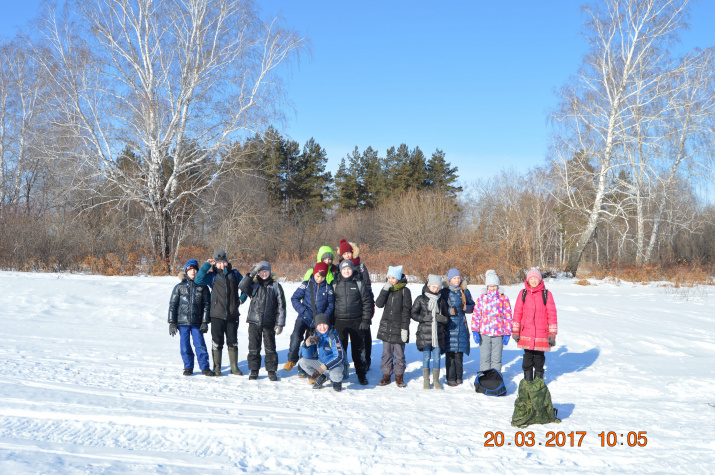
(330,350)
(458,334)
(302,300)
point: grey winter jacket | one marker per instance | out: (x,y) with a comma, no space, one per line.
(268,303)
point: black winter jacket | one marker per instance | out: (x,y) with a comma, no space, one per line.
(396,316)
(224,290)
(190,303)
(352,301)
(268,303)
(422,315)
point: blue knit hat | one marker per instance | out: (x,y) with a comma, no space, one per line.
(453,272)
(191,263)
(395,272)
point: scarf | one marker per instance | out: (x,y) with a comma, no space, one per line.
(432,307)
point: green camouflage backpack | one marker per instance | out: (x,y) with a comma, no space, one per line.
(533,404)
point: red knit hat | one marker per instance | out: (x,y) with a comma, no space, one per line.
(321,267)
(344,247)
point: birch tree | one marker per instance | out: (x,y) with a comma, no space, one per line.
(623,36)
(176,81)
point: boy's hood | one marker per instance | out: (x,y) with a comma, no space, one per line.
(323,250)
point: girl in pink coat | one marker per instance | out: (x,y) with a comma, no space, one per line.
(534,327)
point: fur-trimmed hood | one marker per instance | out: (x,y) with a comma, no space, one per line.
(182,276)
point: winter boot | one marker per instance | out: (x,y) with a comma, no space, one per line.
(399,380)
(207,372)
(302,373)
(188,371)
(289,366)
(337,387)
(362,379)
(529,374)
(320,381)
(233,359)
(272,376)
(538,374)
(386,379)
(435,377)
(451,383)
(217,362)
(425,375)
(253,375)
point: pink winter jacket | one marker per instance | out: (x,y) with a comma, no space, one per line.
(534,321)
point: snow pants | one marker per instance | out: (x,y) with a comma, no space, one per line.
(309,365)
(453,363)
(350,329)
(221,327)
(490,351)
(256,333)
(393,358)
(300,331)
(533,359)
(186,333)
(367,338)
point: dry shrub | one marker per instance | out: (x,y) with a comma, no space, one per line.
(582,282)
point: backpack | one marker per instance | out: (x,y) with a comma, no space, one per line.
(533,405)
(490,383)
(544,293)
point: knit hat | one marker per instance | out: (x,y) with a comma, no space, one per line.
(344,247)
(491,278)
(321,318)
(327,255)
(191,263)
(321,267)
(534,272)
(453,273)
(264,265)
(433,279)
(395,272)
(220,255)
(347,263)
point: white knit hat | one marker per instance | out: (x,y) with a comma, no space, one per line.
(491,278)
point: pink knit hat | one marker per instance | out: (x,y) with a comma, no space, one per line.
(533,273)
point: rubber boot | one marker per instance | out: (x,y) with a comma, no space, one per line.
(538,374)
(233,359)
(217,362)
(529,374)
(435,377)
(425,375)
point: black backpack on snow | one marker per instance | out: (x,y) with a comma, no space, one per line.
(490,383)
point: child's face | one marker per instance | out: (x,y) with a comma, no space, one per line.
(318,277)
(456,280)
(322,328)
(191,273)
(264,274)
(348,255)
(221,265)
(346,272)
(392,280)
(433,288)
(492,288)
(533,281)
(328,261)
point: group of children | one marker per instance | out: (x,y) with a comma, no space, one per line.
(335,306)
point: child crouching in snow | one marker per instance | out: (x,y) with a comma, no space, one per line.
(491,323)
(331,356)
(189,315)
(534,327)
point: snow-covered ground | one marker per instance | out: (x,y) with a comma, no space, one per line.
(91,383)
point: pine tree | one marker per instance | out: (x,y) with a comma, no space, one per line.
(372,178)
(440,176)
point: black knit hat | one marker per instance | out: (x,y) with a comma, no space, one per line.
(321,318)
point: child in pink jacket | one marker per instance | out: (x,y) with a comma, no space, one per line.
(534,327)
(491,323)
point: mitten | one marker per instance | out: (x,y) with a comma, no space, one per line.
(405,335)
(279,330)
(312,340)
(505,339)
(255,269)
(204,327)
(552,339)
(173,328)
(477,338)
(516,337)
(387,286)
(365,325)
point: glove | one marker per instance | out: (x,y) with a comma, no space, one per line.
(365,325)
(255,269)
(204,327)
(312,340)
(405,336)
(505,339)
(387,286)
(279,330)
(173,328)
(552,339)
(477,338)
(516,337)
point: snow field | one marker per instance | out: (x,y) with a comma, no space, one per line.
(91,383)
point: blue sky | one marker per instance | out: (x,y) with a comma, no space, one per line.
(473,78)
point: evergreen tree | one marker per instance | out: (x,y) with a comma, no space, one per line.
(347,187)
(440,176)
(372,178)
